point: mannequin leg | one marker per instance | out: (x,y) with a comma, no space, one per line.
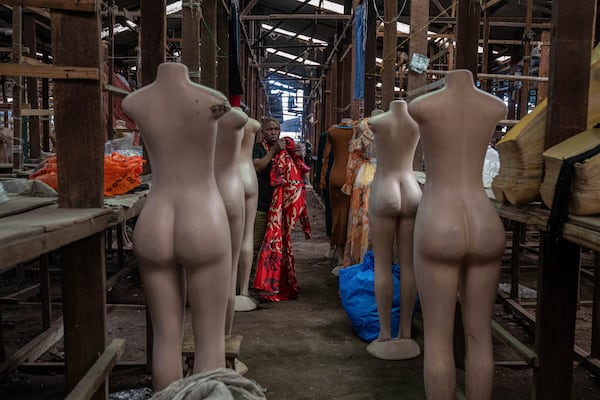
(382,235)
(164,288)
(438,285)
(246,252)
(408,285)
(477,297)
(236,227)
(208,295)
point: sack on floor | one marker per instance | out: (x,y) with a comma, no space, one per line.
(357,290)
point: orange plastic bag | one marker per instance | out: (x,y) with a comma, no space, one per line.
(121,173)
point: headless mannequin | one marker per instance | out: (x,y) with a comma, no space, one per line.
(338,139)
(393,203)
(459,238)
(231,187)
(244,302)
(180,236)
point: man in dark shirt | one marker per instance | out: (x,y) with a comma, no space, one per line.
(262,155)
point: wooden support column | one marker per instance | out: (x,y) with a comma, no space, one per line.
(208,48)
(485,85)
(544,67)
(29,40)
(515,259)
(108,55)
(572,34)
(467,35)
(419,23)
(355,107)
(389,53)
(80,157)
(370,62)
(595,347)
(332,86)
(153,38)
(153,32)
(345,73)
(526,60)
(222,37)
(46,119)
(190,40)
(17,23)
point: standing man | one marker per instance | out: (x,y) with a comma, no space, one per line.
(262,155)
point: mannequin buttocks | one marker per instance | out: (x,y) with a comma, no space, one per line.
(393,203)
(459,238)
(243,302)
(182,235)
(229,180)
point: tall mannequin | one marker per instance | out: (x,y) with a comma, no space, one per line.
(181,235)
(459,238)
(231,187)
(244,302)
(393,203)
(338,139)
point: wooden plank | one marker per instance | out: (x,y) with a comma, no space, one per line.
(72,5)
(98,373)
(49,71)
(36,112)
(25,238)
(35,348)
(20,204)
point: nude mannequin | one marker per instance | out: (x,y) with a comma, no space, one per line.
(181,235)
(393,203)
(243,302)
(459,238)
(230,184)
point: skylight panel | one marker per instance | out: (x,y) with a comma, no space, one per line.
(293,34)
(327,5)
(291,56)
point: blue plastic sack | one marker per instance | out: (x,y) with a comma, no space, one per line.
(357,290)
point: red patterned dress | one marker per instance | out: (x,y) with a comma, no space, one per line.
(275,269)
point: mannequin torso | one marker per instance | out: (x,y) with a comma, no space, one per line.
(459,238)
(181,235)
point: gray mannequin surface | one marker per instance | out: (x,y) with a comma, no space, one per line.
(243,302)
(393,203)
(230,133)
(181,235)
(459,237)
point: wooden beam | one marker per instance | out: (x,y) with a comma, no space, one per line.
(17,38)
(48,71)
(98,373)
(388,80)
(77,5)
(249,7)
(208,47)
(190,41)
(36,112)
(310,17)
(222,38)
(467,35)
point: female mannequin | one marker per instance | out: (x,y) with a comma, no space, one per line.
(459,238)
(181,235)
(244,302)
(231,187)
(338,139)
(394,199)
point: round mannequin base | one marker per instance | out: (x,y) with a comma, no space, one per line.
(394,349)
(244,303)
(336,270)
(240,367)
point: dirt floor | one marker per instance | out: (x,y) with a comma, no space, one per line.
(302,349)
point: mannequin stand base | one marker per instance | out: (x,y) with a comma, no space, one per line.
(244,303)
(336,271)
(394,349)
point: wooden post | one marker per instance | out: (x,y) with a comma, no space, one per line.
(222,37)
(108,55)
(544,67)
(190,40)
(153,33)
(389,54)
(370,62)
(17,22)
(29,40)
(46,119)
(595,347)
(523,104)
(356,103)
(332,85)
(419,23)
(208,49)
(485,85)
(572,33)
(80,159)
(515,259)
(467,35)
